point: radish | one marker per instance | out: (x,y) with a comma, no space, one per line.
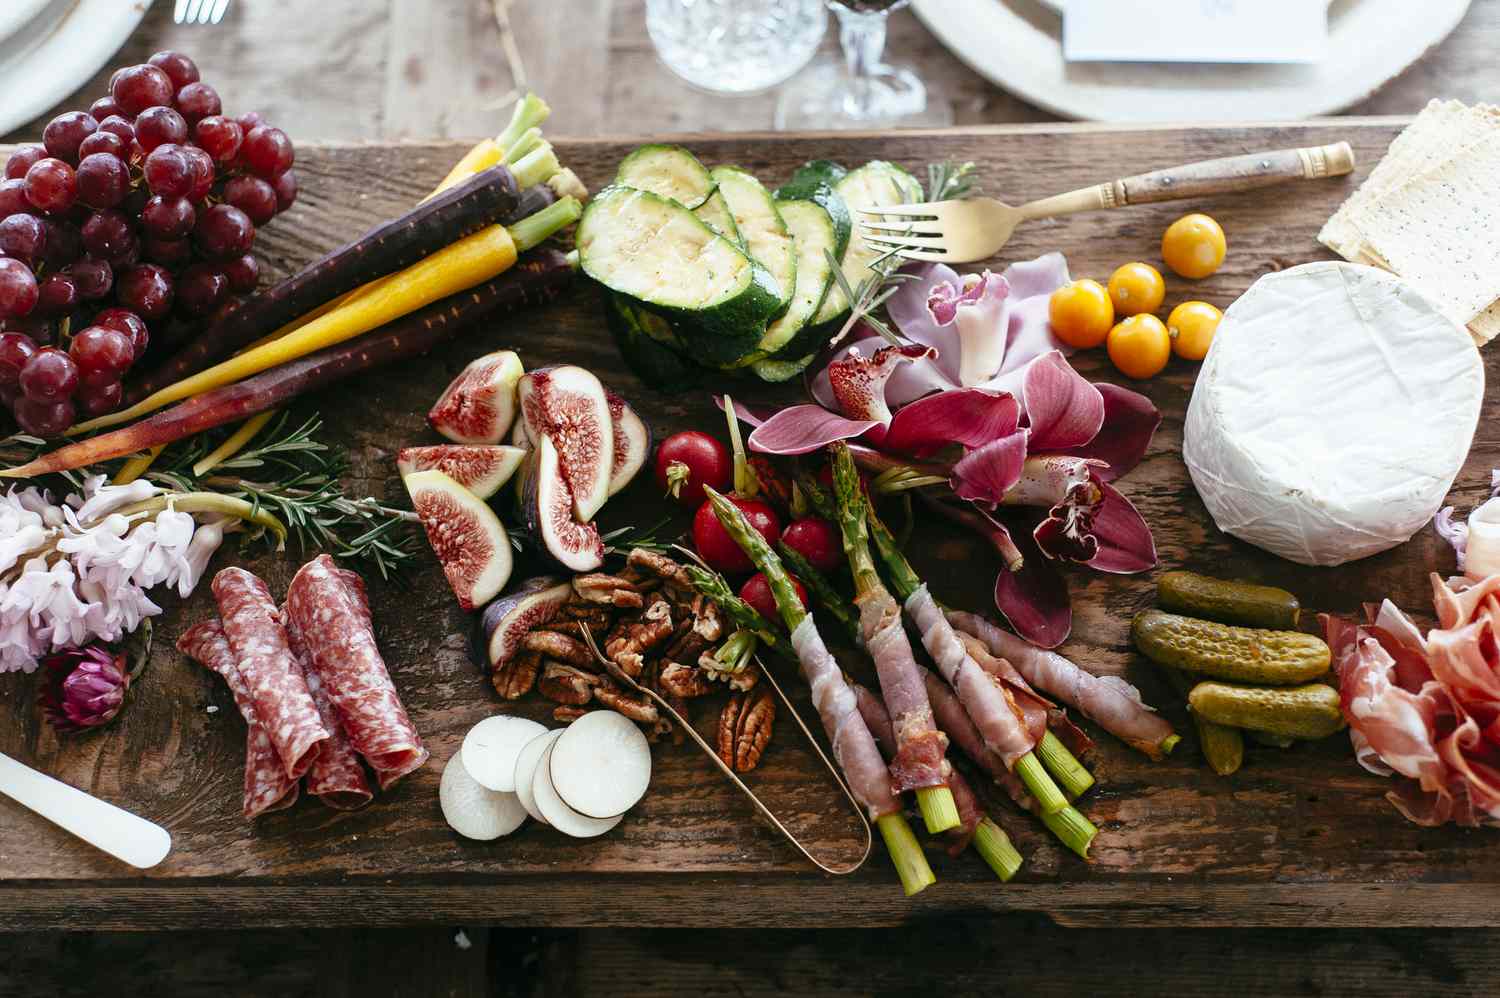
(601,765)
(527,761)
(491,747)
(560,815)
(473,811)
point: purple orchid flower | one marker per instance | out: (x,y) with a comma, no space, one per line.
(984,397)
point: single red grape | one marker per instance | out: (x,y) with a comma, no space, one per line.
(20,161)
(103,108)
(146,290)
(64,243)
(219,136)
(97,400)
(15,350)
(243,273)
(250,120)
(18,290)
(119,125)
(135,202)
(65,132)
(200,288)
(286,190)
(51,185)
(224,231)
(179,68)
(102,141)
(108,236)
(13,196)
(23,237)
(136,88)
(168,218)
(57,294)
(202,168)
(168,252)
(197,101)
(253,196)
(129,323)
(159,125)
(94,278)
(169,172)
(103,179)
(267,151)
(44,419)
(49,375)
(102,354)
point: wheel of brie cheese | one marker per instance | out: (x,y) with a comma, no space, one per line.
(1332,413)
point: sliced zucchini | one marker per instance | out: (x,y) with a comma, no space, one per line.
(809,177)
(670,171)
(877,184)
(762,230)
(781,370)
(715,214)
(654,250)
(646,343)
(813,234)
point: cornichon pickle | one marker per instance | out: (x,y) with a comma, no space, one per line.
(1229,602)
(1244,654)
(1223,747)
(1310,711)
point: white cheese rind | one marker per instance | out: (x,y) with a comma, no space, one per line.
(1332,413)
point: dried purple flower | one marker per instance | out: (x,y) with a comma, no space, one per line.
(83,687)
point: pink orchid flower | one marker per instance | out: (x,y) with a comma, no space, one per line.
(984,397)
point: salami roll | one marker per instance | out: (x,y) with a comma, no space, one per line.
(336,778)
(333,620)
(267,787)
(271,672)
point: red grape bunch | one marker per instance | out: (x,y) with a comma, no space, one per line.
(132,221)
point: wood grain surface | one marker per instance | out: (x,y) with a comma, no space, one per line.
(1297,837)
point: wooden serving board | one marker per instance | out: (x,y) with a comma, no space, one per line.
(1297,837)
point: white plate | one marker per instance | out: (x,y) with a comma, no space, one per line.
(89,34)
(1017,45)
(16,14)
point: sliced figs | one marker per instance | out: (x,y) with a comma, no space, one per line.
(632,442)
(567,403)
(465,534)
(480,404)
(511,617)
(547,507)
(483,469)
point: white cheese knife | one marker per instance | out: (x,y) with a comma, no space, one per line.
(124,836)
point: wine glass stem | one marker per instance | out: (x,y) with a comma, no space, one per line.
(862,36)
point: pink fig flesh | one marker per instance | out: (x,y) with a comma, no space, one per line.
(466,536)
(632,442)
(479,405)
(481,468)
(568,404)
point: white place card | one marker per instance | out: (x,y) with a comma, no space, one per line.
(1195,30)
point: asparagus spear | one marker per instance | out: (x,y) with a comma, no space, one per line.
(822,590)
(853,745)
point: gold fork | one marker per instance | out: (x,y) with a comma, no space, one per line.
(976,228)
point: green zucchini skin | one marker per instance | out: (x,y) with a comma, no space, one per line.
(814,236)
(877,184)
(810,176)
(671,171)
(714,213)
(650,357)
(763,232)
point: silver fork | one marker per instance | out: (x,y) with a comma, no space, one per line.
(200,11)
(976,229)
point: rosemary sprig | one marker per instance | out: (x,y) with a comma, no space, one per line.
(950,181)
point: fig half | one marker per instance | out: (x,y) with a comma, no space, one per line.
(567,403)
(465,534)
(632,442)
(546,507)
(478,406)
(481,468)
(511,617)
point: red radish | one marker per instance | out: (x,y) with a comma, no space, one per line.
(757,592)
(817,540)
(715,545)
(687,461)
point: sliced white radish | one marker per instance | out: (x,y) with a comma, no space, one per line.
(601,765)
(559,815)
(491,746)
(474,811)
(526,764)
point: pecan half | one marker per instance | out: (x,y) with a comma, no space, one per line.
(741,681)
(745,726)
(637,708)
(515,678)
(608,590)
(631,640)
(568,684)
(708,623)
(562,647)
(685,681)
(657,564)
(567,715)
(597,619)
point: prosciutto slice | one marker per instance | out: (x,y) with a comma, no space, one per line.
(1426,709)
(1110,701)
(955,721)
(919,758)
(336,778)
(333,619)
(272,674)
(267,787)
(853,746)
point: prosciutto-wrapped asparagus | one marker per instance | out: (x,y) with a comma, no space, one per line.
(1110,701)
(920,761)
(854,747)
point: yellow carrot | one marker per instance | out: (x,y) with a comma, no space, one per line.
(233,444)
(483,156)
(135,467)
